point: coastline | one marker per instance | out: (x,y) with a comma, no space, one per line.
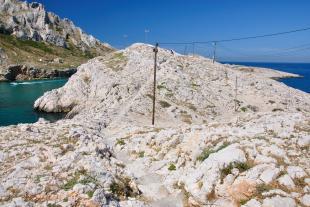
(23,73)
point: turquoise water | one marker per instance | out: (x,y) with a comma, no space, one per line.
(17,99)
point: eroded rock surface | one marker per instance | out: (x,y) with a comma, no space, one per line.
(209,147)
(32,22)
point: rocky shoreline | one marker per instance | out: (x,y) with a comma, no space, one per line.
(22,72)
(215,142)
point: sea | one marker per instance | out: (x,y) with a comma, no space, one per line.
(17,98)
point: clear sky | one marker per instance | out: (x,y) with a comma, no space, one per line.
(122,22)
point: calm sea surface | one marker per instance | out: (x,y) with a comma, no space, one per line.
(302,69)
(17,99)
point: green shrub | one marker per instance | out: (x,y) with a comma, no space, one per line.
(120,142)
(243,109)
(207,152)
(164,104)
(141,154)
(172,167)
(90,193)
(70,183)
(241,166)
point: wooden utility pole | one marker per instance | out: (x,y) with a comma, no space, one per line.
(214,52)
(185,50)
(236,92)
(155,50)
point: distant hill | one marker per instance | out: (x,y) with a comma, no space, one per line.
(29,35)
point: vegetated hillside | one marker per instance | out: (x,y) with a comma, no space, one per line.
(29,35)
(41,54)
(214,143)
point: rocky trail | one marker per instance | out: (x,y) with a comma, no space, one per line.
(201,152)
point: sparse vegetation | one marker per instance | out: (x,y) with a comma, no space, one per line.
(195,86)
(74,180)
(117,61)
(53,205)
(41,54)
(261,188)
(164,104)
(241,166)
(277,109)
(121,188)
(70,183)
(171,167)
(86,79)
(243,109)
(90,193)
(207,152)
(141,154)
(120,142)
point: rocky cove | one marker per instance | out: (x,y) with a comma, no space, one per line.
(214,143)
(23,72)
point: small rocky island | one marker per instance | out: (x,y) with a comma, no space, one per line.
(224,136)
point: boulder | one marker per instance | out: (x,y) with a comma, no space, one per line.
(296,172)
(278,201)
(286,181)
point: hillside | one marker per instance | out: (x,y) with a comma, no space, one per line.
(201,151)
(31,36)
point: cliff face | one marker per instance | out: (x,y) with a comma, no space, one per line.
(30,21)
(214,143)
(33,37)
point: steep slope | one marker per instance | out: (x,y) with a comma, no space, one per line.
(29,35)
(201,152)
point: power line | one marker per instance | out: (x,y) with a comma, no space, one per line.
(286,51)
(237,39)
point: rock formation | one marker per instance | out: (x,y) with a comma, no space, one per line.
(30,21)
(31,36)
(22,72)
(214,143)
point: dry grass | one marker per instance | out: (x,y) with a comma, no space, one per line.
(29,52)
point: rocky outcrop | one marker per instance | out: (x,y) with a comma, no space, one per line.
(47,44)
(22,72)
(32,22)
(209,146)
(190,89)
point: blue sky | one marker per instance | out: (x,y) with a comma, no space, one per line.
(197,20)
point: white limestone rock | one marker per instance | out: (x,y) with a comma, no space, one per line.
(278,201)
(304,141)
(269,174)
(286,181)
(296,172)
(305,200)
(109,136)
(252,203)
(208,173)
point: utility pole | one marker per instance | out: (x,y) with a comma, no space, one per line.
(155,50)
(185,50)
(236,92)
(126,40)
(146,31)
(214,52)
